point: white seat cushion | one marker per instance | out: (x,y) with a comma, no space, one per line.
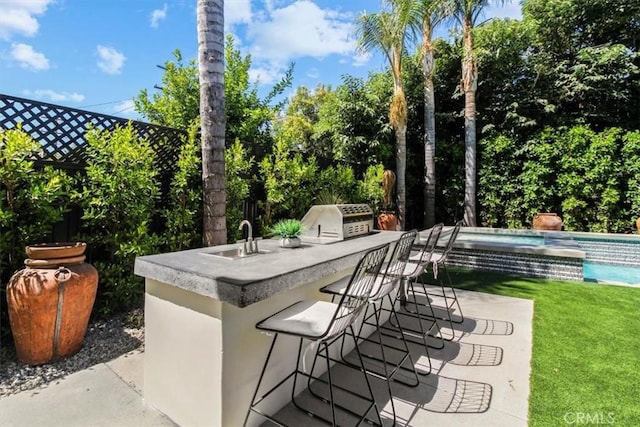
(377,291)
(436,257)
(412,269)
(338,287)
(304,318)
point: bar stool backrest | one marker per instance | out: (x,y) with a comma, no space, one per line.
(358,291)
(430,245)
(395,267)
(452,238)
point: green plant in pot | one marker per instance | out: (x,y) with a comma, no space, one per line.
(289,231)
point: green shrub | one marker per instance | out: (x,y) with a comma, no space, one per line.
(631,177)
(289,183)
(370,188)
(336,185)
(118,201)
(238,167)
(31,201)
(183,227)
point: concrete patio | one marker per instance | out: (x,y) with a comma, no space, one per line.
(481,378)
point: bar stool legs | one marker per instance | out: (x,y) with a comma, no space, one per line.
(399,336)
(324,323)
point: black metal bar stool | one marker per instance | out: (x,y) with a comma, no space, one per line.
(386,284)
(447,292)
(324,323)
(411,306)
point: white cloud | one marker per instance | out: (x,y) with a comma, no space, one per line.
(124,107)
(266,74)
(236,12)
(361,59)
(283,32)
(111,61)
(19,17)
(54,96)
(29,58)
(300,29)
(158,15)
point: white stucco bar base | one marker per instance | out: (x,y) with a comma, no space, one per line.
(203,355)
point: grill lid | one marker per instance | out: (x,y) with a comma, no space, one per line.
(333,223)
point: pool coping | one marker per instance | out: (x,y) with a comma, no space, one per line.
(561,256)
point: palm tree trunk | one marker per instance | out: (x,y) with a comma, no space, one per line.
(469,86)
(210,18)
(429,127)
(401,168)
(398,118)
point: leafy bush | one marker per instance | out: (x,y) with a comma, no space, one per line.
(370,188)
(31,201)
(589,178)
(183,228)
(238,167)
(631,158)
(289,183)
(336,185)
(118,201)
(499,191)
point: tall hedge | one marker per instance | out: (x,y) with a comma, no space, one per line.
(589,178)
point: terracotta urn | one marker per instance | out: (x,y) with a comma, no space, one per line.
(547,221)
(50,302)
(638,225)
(387,221)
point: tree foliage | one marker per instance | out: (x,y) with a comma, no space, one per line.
(248,117)
(177,103)
(288,181)
(183,216)
(31,199)
(118,199)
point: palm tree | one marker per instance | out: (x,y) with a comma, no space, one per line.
(386,31)
(210,17)
(466,12)
(432,12)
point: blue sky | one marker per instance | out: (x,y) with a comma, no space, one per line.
(98,54)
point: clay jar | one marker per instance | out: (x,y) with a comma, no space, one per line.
(50,302)
(547,221)
(387,221)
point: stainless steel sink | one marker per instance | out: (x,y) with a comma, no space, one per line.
(235,253)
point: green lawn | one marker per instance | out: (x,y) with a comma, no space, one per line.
(586,348)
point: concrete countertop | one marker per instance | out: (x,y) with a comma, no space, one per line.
(244,281)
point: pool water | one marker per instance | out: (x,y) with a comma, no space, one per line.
(502,238)
(595,272)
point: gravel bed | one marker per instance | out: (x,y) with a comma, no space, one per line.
(104,340)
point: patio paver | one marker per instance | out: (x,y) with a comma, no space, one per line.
(479,379)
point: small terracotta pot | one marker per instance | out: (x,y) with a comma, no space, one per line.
(387,221)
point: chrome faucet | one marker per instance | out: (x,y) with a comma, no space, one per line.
(248,246)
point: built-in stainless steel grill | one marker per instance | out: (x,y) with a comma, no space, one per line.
(333,223)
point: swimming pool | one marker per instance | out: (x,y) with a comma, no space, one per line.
(592,257)
(611,273)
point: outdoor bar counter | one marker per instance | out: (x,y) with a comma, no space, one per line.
(203,355)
